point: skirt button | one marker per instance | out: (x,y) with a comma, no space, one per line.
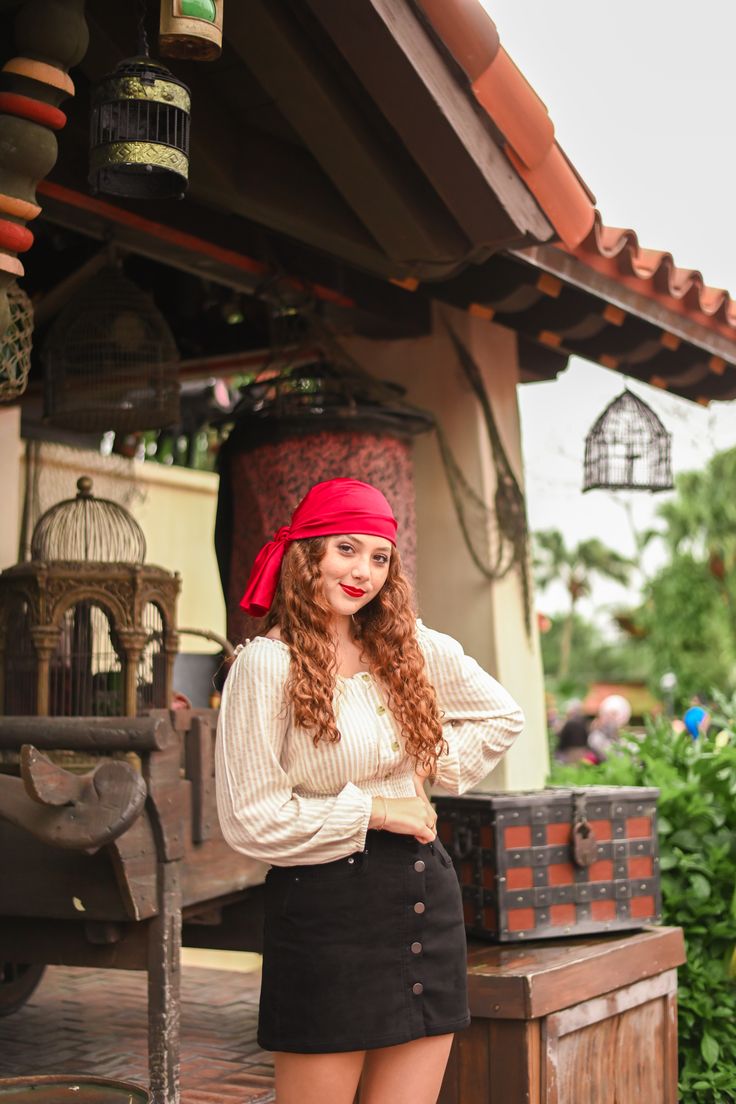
(416,948)
(417,988)
(419,866)
(420,906)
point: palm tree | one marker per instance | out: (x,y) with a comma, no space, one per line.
(574,568)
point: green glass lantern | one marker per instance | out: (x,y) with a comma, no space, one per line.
(191,29)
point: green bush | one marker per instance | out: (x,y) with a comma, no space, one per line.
(697,838)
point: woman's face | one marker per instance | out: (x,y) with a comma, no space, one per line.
(353,569)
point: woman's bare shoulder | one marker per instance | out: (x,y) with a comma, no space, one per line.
(274,633)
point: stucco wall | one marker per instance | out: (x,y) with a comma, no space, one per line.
(487,617)
(11,456)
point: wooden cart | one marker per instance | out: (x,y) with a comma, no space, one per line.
(117,867)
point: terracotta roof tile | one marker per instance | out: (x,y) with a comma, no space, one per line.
(467,31)
(516,109)
(517,113)
(652,272)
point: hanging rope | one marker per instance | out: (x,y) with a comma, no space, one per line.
(143,50)
(497,535)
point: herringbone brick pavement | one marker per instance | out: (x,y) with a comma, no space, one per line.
(94,1021)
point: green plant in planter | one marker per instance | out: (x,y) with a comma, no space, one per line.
(697,838)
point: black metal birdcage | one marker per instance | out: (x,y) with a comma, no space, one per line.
(139,132)
(111,361)
(628,448)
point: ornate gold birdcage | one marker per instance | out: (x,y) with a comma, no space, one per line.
(87,629)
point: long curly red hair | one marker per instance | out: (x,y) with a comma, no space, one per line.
(385,628)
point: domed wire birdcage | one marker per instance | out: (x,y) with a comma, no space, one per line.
(111,361)
(628,448)
(88,528)
(15,345)
(86,627)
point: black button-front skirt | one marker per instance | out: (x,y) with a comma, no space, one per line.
(368,951)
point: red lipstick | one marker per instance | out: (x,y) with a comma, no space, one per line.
(352,592)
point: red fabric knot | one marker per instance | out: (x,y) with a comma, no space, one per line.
(330,508)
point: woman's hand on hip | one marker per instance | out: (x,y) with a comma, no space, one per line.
(407,816)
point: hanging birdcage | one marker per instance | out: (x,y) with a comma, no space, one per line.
(86,627)
(139,132)
(15,345)
(111,361)
(628,448)
(326,394)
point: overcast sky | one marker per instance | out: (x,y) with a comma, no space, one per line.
(641,93)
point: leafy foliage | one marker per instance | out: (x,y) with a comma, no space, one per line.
(690,606)
(697,836)
(688,627)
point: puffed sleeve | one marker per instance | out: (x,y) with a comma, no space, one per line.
(480,719)
(260,814)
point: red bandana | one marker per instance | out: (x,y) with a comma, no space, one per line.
(336,506)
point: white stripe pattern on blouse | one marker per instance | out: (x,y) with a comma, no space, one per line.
(284,801)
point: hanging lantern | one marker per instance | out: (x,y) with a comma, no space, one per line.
(15,345)
(191,29)
(628,449)
(139,135)
(111,361)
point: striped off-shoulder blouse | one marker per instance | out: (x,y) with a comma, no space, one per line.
(284,801)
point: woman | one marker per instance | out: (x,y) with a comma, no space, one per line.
(330,723)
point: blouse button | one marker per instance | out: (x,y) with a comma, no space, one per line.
(366,678)
(381,709)
(395,745)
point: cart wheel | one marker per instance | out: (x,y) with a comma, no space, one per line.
(17,982)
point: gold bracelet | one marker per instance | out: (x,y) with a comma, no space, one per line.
(385,814)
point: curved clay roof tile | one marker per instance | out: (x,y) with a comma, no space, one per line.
(617,252)
(467,31)
(516,109)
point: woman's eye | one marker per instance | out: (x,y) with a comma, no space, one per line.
(345,547)
(381,560)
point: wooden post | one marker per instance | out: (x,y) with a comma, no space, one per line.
(50,36)
(164,974)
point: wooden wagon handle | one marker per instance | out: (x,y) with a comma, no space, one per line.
(75,812)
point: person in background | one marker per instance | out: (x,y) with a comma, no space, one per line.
(696,720)
(613,713)
(572,738)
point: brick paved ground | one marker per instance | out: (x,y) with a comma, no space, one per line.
(94,1021)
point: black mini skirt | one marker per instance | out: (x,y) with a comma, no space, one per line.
(368,951)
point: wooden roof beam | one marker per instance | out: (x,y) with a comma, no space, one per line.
(369,168)
(392,53)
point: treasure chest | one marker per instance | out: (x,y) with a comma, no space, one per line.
(555,862)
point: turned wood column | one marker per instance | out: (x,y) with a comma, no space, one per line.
(133,642)
(45,640)
(50,37)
